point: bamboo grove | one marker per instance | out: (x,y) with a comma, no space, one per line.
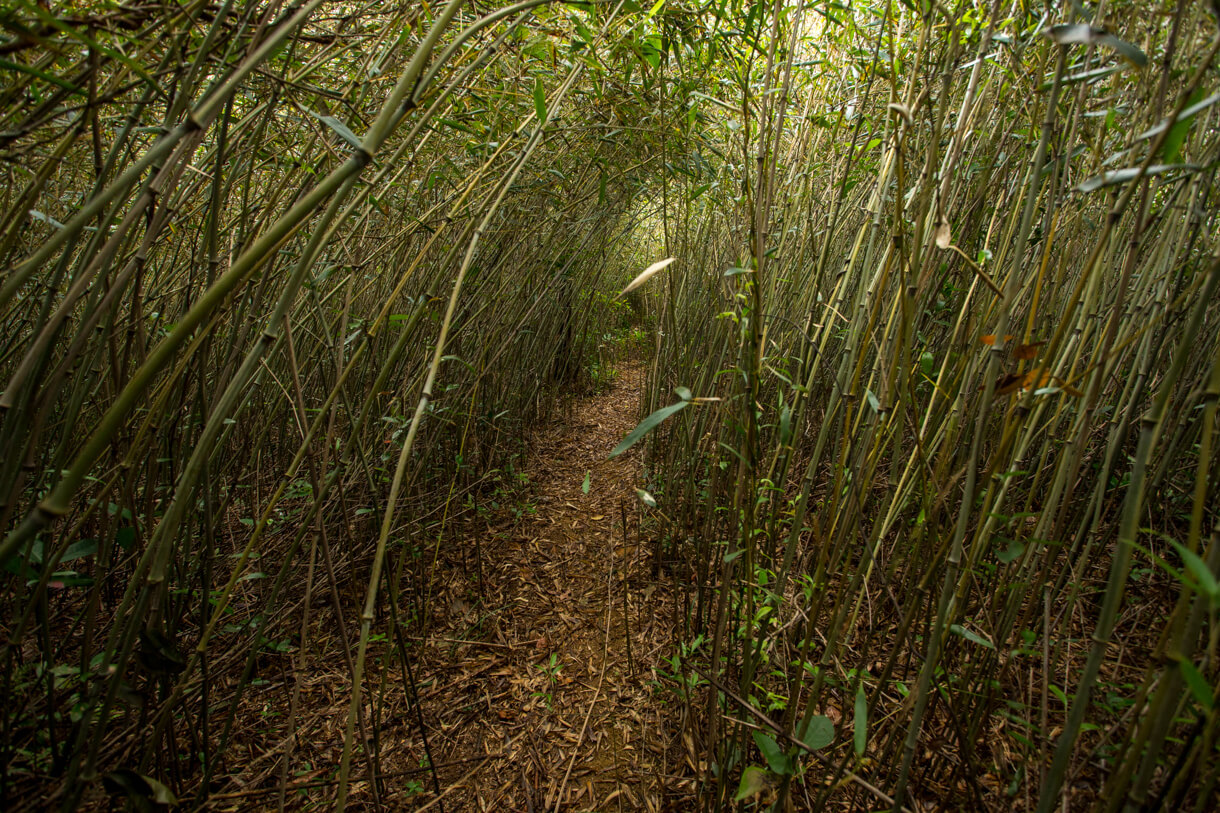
(285,287)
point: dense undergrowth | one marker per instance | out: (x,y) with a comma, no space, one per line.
(286,285)
(952,523)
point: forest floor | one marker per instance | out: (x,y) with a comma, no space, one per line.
(538,696)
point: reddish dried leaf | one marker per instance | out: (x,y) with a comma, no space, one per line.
(1027,352)
(1008,383)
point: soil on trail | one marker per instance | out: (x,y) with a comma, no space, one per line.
(535,694)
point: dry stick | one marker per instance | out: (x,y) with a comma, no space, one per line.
(622,507)
(470,774)
(596,692)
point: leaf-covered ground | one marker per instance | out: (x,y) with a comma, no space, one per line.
(530,696)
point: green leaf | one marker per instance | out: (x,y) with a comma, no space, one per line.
(777,760)
(647,425)
(860,722)
(124,537)
(1171,150)
(927,363)
(958,629)
(539,101)
(68,578)
(651,51)
(1199,569)
(1071,34)
(753,782)
(1198,684)
(43,75)
(340,129)
(1083,76)
(469,366)
(584,487)
(1118,176)
(1188,113)
(785,425)
(819,733)
(646,498)
(79,550)
(1013,551)
(873,401)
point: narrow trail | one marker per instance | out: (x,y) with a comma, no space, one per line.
(533,697)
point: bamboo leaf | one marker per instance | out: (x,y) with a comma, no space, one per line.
(1118,176)
(1186,114)
(647,274)
(1199,687)
(860,721)
(50,221)
(1199,570)
(1085,34)
(969,635)
(1171,149)
(1125,49)
(341,129)
(539,101)
(79,550)
(647,425)
(43,75)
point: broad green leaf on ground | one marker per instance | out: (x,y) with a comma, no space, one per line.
(819,733)
(777,760)
(753,781)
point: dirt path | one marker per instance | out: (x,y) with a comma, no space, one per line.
(529,694)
